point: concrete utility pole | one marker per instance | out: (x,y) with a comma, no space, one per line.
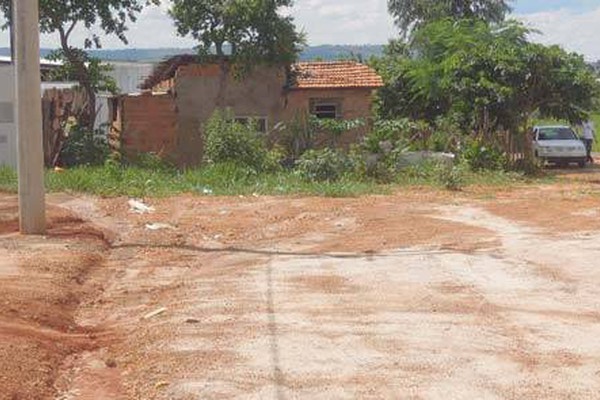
(32,209)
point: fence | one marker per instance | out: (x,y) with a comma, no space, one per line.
(515,146)
(59,106)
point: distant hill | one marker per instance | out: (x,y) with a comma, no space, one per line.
(324,52)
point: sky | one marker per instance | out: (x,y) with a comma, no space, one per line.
(574,24)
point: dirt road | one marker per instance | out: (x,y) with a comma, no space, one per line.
(419,295)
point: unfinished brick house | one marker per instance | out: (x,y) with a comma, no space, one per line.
(181,95)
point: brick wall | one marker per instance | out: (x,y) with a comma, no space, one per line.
(171,125)
(147,124)
(353,104)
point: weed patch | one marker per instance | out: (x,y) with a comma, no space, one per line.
(228,179)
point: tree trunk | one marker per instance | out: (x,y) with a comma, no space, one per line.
(87,118)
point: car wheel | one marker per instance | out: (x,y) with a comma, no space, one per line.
(581,164)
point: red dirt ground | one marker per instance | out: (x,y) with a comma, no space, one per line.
(73,304)
(42,286)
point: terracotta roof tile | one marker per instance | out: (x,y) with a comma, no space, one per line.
(305,75)
(335,74)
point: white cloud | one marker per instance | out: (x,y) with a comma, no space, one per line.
(356,22)
(344,22)
(325,22)
(579,32)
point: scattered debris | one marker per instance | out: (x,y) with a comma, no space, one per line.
(158,226)
(155,313)
(111,363)
(139,207)
(160,385)
(205,191)
(192,321)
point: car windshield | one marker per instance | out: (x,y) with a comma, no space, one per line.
(556,134)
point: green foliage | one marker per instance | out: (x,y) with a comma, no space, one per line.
(97,71)
(296,136)
(252,31)
(451,177)
(111,16)
(227,141)
(479,155)
(326,165)
(484,77)
(335,128)
(114,180)
(84,147)
(396,133)
(410,15)
(8,179)
(62,17)
(149,161)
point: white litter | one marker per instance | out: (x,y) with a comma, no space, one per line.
(139,207)
(158,226)
(155,313)
(206,191)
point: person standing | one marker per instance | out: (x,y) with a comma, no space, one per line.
(589,137)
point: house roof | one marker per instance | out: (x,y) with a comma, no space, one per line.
(304,75)
(166,70)
(335,74)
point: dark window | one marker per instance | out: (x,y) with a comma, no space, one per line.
(259,122)
(556,133)
(326,111)
(326,108)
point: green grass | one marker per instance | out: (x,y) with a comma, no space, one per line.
(220,180)
(228,180)
(596,119)
(8,179)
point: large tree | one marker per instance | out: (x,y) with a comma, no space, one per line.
(62,17)
(412,14)
(245,31)
(487,76)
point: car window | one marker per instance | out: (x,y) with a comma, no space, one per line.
(556,134)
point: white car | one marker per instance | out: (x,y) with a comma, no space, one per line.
(558,145)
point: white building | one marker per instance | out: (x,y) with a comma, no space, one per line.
(128,76)
(8,132)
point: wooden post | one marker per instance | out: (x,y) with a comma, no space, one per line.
(32,210)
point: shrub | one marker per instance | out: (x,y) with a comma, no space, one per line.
(395,133)
(335,128)
(451,176)
(228,141)
(323,165)
(297,136)
(446,136)
(481,156)
(84,147)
